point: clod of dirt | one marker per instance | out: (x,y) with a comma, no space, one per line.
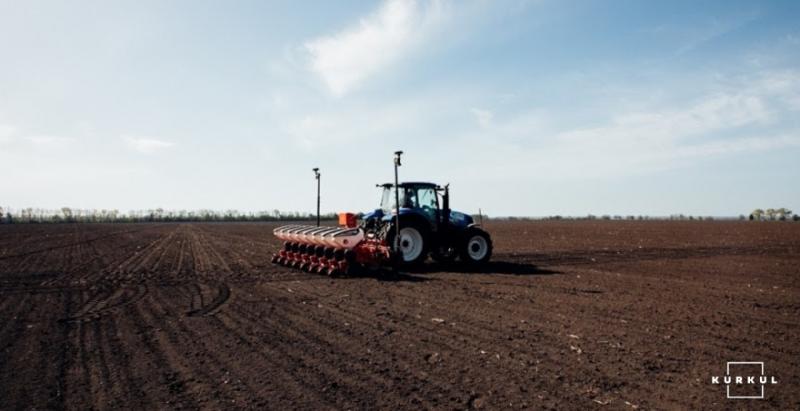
(433,358)
(477,402)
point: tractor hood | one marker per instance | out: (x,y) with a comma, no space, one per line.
(457,218)
(460,219)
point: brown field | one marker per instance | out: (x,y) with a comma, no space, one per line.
(570,315)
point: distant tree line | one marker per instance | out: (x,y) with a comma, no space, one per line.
(74,215)
(608,217)
(772,214)
(780,214)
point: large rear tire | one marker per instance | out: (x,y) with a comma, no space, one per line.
(413,242)
(476,246)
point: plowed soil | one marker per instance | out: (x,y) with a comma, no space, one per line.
(569,315)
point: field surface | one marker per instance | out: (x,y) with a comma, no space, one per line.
(570,315)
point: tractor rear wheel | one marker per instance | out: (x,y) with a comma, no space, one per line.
(476,246)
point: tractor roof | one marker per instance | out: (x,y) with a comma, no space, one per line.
(411,184)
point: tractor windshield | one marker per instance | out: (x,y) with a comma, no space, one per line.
(408,199)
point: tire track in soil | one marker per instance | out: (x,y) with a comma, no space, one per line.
(28,354)
(223,294)
(121,373)
(413,322)
(66,256)
(80,371)
(231,247)
(208,297)
(210,249)
(69,244)
(104,368)
(304,379)
(64,359)
(199,258)
(107,302)
(146,320)
(108,269)
(201,249)
(305,321)
(172,370)
(10,323)
(179,339)
(48,392)
(134,264)
(552,328)
(6,299)
(90,259)
(91,297)
(447,341)
(99,374)
(321,373)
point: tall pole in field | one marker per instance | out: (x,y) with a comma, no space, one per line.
(397,164)
(316,175)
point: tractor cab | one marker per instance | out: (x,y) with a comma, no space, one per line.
(420,198)
(426,200)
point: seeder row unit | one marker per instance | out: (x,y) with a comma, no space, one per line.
(329,250)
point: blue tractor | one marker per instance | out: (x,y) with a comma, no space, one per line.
(427,226)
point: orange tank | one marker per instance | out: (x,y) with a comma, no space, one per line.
(348,220)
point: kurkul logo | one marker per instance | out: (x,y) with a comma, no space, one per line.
(744,380)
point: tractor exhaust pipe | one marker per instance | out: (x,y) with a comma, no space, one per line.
(316,175)
(397,164)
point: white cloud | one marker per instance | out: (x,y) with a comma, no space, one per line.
(50,141)
(347,58)
(10,135)
(147,145)
(710,114)
(347,125)
(784,86)
(7,133)
(746,115)
(483,117)
(748,144)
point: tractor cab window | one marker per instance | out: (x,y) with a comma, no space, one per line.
(427,198)
(427,201)
(387,200)
(408,199)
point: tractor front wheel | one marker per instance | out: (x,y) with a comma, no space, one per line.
(476,247)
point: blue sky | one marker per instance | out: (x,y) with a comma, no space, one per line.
(525,107)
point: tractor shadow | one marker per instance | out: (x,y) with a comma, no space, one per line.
(389,275)
(492,267)
(416,274)
(402,276)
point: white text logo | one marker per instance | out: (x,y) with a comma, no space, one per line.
(744,380)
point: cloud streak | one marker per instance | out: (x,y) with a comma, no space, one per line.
(728,121)
(483,117)
(147,145)
(347,58)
